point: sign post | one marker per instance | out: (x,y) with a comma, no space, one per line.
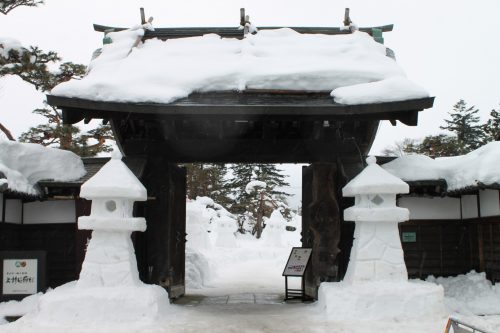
(296,267)
(22,273)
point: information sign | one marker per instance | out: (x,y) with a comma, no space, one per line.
(20,276)
(409,237)
(22,273)
(297,262)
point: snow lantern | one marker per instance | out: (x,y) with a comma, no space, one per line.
(110,259)
(376,253)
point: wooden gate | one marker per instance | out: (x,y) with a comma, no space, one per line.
(165,239)
(311,289)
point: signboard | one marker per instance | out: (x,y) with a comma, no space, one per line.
(297,262)
(409,237)
(20,276)
(22,273)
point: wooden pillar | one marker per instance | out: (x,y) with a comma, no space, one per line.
(325,222)
(166,225)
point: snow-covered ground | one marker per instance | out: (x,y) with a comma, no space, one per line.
(221,281)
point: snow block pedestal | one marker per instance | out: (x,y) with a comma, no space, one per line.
(381,300)
(376,284)
(70,304)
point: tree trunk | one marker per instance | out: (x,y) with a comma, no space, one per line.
(6,132)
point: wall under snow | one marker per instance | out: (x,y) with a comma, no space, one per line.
(13,211)
(469,206)
(42,212)
(1,207)
(423,208)
(489,200)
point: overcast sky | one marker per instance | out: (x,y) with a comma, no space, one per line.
(451,47)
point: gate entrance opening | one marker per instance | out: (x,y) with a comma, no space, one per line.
(253,126)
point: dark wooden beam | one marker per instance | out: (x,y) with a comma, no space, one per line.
(245,106)
(235,32)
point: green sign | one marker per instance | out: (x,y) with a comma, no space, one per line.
(409,237)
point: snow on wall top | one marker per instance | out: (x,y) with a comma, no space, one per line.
(374,180)
(114,180)
(478,166)
(282,59)
(24,164)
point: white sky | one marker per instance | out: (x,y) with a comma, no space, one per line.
(451,47)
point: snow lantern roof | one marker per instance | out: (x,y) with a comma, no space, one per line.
(374,180)
(114,180)
(129,70)
(477,169)
(24,165)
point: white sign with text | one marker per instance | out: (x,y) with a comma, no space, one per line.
(297,262)
(19,276)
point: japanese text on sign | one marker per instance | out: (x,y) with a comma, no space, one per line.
(297,262)
(19,276)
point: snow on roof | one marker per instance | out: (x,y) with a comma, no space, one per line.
(281,59)
(479,167)
(24,164)
(374,180)
(114,180)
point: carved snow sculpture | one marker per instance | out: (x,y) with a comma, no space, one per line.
(275,227)
(226,228)
(376,284)
(109,289)
(196,226)
(110,258)
(376,252)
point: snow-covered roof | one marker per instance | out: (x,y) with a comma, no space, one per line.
(475,169)
(281,59)
(24,164)
(114,180)
(374,180)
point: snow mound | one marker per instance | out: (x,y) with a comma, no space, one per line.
(470,293)
(24,164)
(281,59)
(477,167)
(381,300)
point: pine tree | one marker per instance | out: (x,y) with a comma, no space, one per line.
(31,65)
(464,123)
(242,174)
(492,126)
(207,180)
(7,5)
(270,174)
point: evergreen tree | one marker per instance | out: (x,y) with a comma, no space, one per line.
(464,123)
(207,180)
(7,5)
(242,174)
(492,126)
(31,65)
(270,174)
(432,145)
